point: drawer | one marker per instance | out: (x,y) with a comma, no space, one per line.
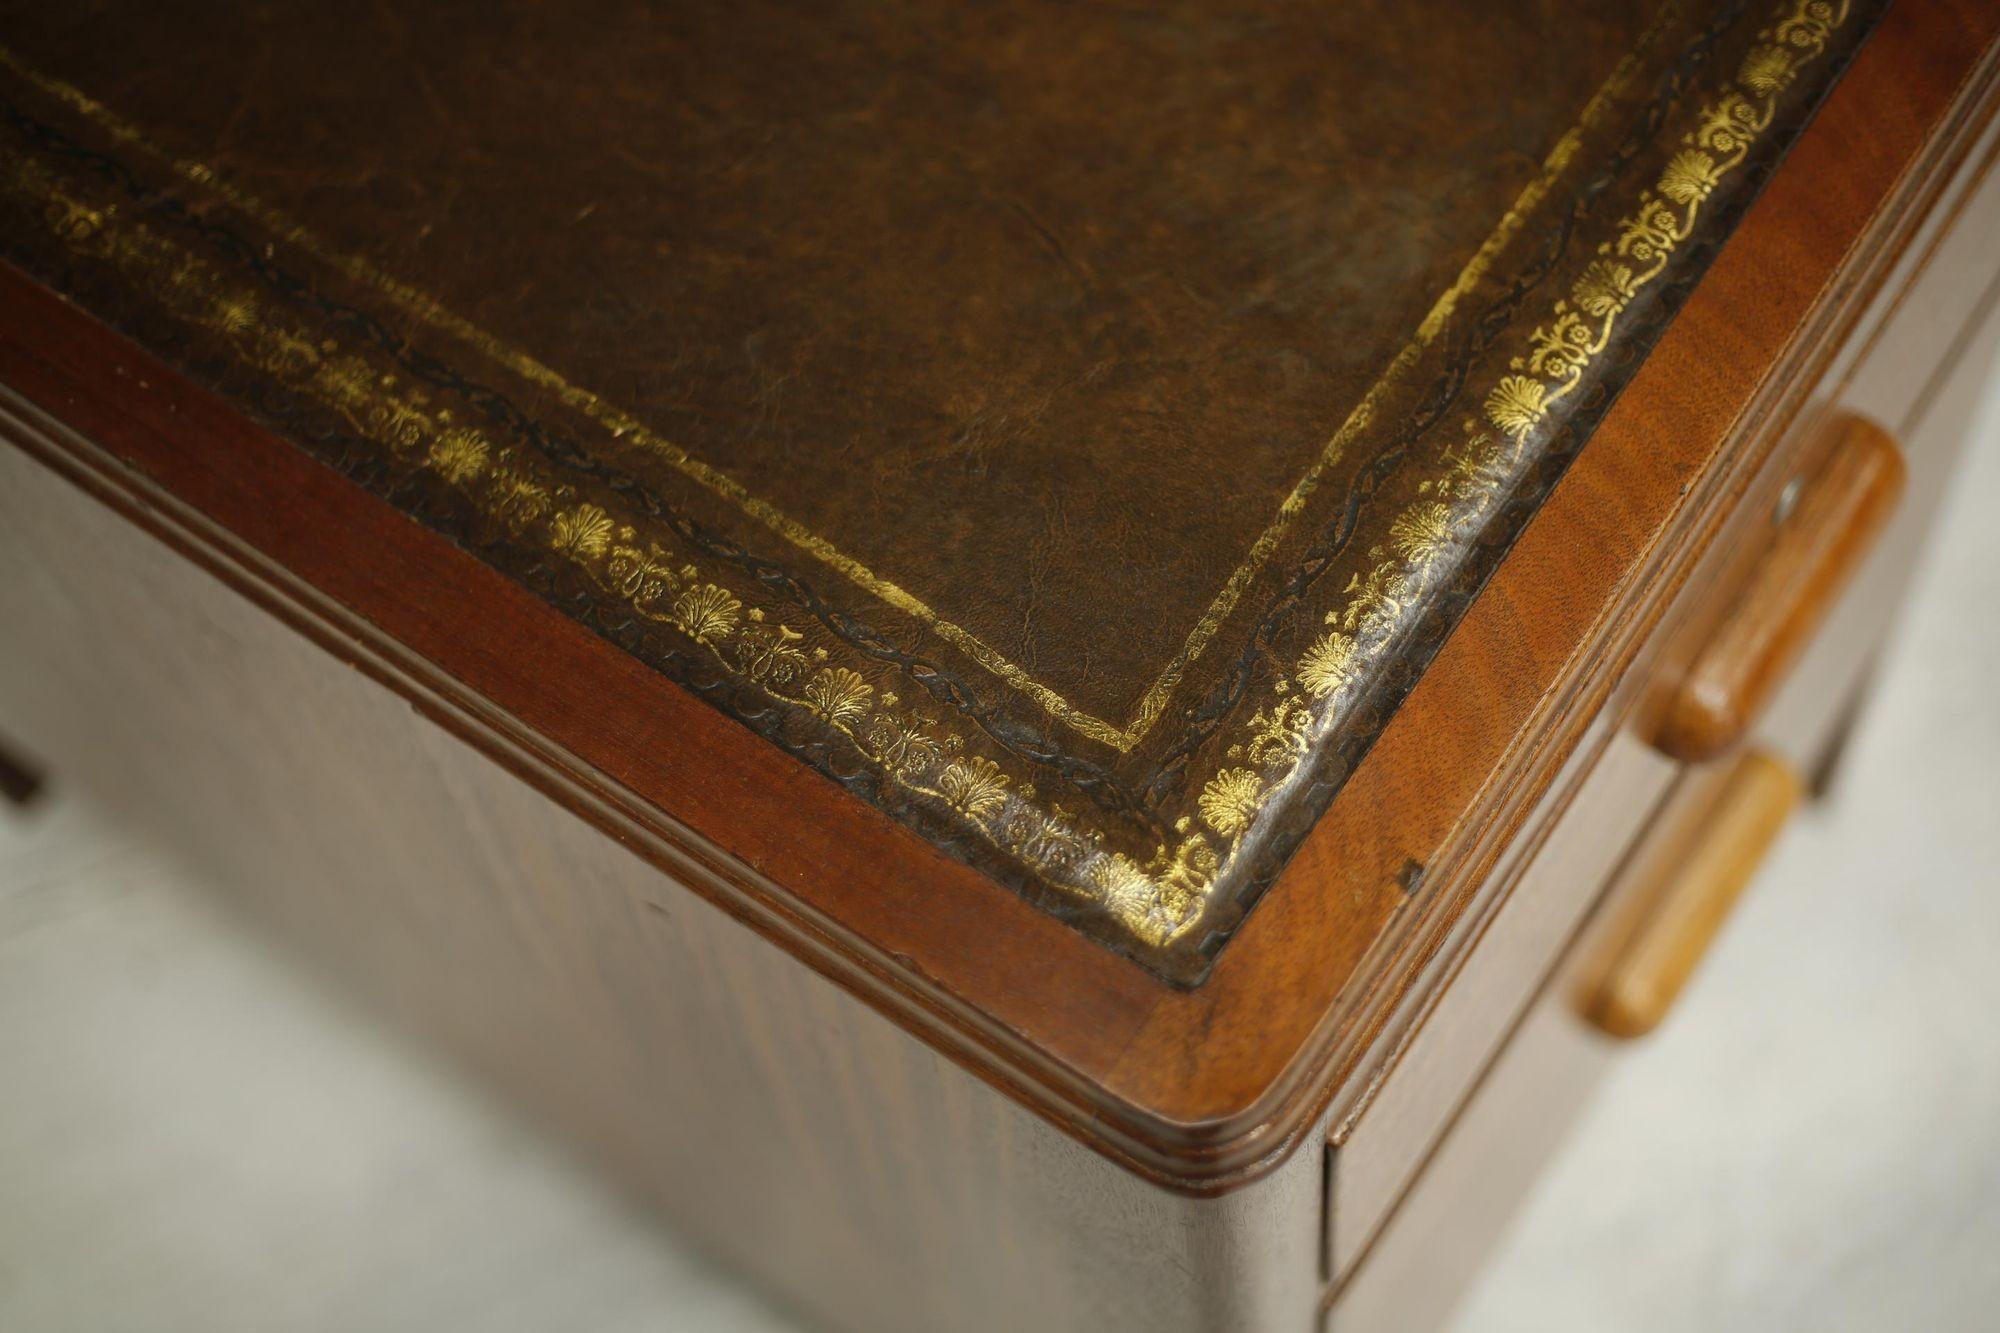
(1937,303)
(864,1035)
(1701,846)
(1446,1223)
(1374,1160)
(1617,786)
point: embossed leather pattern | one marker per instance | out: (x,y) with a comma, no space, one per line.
(1070,428)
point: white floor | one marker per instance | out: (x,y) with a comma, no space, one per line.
(194,1139)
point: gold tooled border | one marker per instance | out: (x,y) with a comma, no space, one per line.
(630,430)
(1159,899)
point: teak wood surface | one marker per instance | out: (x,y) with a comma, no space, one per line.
(1198,1088)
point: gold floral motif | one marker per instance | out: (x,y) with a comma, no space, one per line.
(347,382)
(1810,25)
(1375,601)
(1157,902)
(1230,800)
(234,312)
(1651,233)
(458,455)
(904,750)
(1184,879)
(770,652)
(1766,70)
(1517,404)
(1050,839)
(642,576)
(1690,176)
(1126,891)
(397,424)
(1422,532)
(1604,288)
(1476,469)
(584,531)
(974,786)
(1729,124)
(286,355)
(72,222)
(707,613)
(1327,664)
(1162,898)
(1279,734)
(839,695)
(518,501)
(1559,350)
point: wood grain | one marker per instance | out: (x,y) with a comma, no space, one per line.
(1064,1142)
(847,1166)
(1375,1158)
(1688,907)
(1830,525)
(1470,1182)
(1563,643)
(1205,1089)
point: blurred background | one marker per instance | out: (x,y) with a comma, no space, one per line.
(193,1136)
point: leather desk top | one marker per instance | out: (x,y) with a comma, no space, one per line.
(1072,429)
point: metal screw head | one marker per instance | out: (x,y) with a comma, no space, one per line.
(1788,500)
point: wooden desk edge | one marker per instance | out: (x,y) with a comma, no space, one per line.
(1201,1091)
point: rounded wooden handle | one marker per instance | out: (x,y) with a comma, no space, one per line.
(1828,524)
(1688,904)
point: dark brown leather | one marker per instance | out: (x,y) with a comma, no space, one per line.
(1071,427)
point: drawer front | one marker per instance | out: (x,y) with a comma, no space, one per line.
(1375,1163)
(1707,834)
(1469,1187)
(1617,786)
(1407,1247)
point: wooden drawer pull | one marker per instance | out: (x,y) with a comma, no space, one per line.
(1687,906)
(1826,529)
